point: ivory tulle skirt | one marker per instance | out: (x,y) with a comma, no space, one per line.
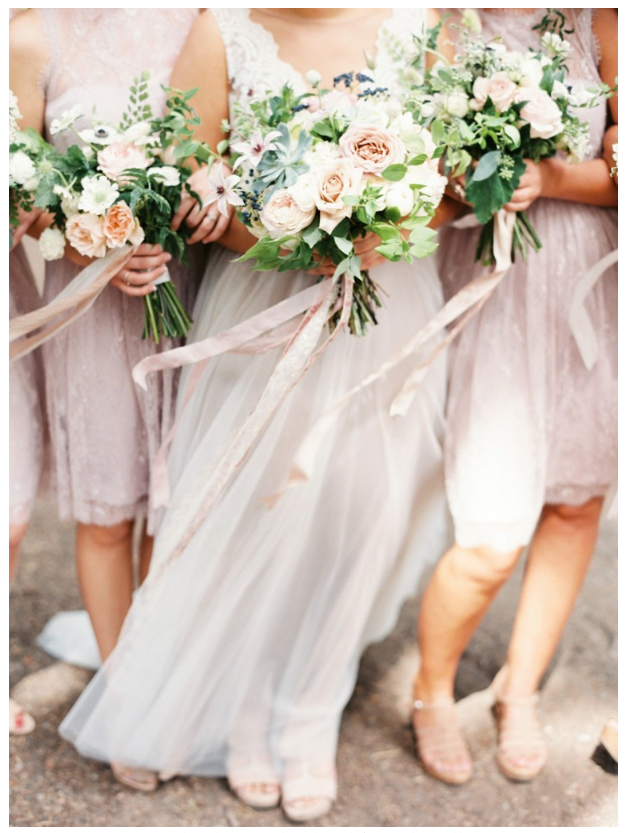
(246,645)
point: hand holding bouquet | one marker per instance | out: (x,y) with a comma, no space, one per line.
(496,108)
(316,173)
(123,184)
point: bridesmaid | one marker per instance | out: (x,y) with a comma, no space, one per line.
(240,652)
(104,433)
(532,433)
(26,431)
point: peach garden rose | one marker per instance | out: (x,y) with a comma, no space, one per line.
(371,148)
(541,112)
(499,88)
(283,214)
(121,227)
(86,234)
(339,179)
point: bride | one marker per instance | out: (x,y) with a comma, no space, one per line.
(240,653)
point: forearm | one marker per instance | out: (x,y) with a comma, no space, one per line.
(448,211)
(587,182)
(237,238)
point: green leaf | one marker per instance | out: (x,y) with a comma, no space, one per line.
(344,245)
(437,129)
(266,252)
(487,166)
(394,173)
(513,134)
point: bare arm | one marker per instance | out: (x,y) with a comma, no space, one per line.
(202,64)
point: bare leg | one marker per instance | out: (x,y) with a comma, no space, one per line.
(104,564)
(16,536)
(559,557)
(463,585)
(460,592)
(146,547)
(558,560)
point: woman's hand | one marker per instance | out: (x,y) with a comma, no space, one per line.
(364,248)
(145,266)
(531,186)
(207,221)
(26,220)
(609,140)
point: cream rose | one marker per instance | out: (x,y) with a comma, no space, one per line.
(540,112)
(52,244)
(283,214)
(86,235)
(119,157)
(121,227)
(371,148)
(499,88)
(340,179)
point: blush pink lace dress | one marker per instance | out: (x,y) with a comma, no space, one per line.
(104,430)
(528,424)
(26,400)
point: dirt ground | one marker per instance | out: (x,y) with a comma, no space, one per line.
(381,783)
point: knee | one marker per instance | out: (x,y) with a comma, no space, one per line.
(573,519)
(483,566)
(113,537)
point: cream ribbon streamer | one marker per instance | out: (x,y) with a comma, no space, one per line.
(35,328)
(579,320)
(467,302)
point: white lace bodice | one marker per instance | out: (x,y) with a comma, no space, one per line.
(255,66)
(94,55)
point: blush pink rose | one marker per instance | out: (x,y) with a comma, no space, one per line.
(499,88)
(540,112)
(86,234)
(119,157)
(371,148)
(333,182)
(121,227)
(283,215)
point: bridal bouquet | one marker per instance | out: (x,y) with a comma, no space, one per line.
(496,107)
(316,172)
(123,184)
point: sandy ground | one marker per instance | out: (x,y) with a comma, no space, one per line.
(381,782)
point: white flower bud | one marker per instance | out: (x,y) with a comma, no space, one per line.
(313,78)
(52,244)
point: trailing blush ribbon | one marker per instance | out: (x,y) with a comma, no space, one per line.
(35,328)
(579,320)
(462,307)
(265,331)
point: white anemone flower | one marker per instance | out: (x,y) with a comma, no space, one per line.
(98,194)
(221,190)
(101,134)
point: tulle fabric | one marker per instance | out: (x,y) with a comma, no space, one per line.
(26,397)
(528,423)
(248,643)
(104,431)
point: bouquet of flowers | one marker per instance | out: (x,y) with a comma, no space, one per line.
(316,172)
(28,153)
(494,108)
(123,184)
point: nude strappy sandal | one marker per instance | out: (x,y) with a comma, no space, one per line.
(440,746)
(254,782)
(521,748)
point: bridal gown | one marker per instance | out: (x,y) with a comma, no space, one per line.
(528,422)
(247,644)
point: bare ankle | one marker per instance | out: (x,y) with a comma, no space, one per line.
(430,690)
